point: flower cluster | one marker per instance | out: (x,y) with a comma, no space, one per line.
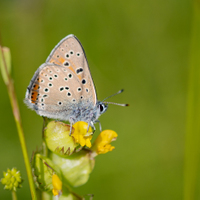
(69,158)
(12,179)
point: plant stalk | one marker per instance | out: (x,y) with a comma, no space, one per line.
(16,113)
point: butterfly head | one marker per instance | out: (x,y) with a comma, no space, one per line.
(102,107)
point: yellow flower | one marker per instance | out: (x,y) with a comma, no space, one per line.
(81,135)
(102,143)
(57,185)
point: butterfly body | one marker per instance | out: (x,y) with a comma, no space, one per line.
(62,88)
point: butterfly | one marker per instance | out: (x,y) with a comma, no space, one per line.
(62,88)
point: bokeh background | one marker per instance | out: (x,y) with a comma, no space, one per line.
(141,46)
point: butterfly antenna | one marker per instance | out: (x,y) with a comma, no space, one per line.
(118,104)
(113,95)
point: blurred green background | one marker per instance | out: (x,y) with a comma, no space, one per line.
(141,46)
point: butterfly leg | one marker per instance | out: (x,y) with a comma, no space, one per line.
(71,120)
(88,127)
(92,124)
(100,127)
(70,129)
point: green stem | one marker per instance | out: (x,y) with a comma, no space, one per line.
(16,113)
(14,195)
(192,139)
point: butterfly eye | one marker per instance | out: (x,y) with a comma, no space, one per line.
(101,108)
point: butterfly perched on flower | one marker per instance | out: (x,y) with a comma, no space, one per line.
(62,88)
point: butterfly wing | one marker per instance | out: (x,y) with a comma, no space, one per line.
(70,54)
(56,92)
(63,87)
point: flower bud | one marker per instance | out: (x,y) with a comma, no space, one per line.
(57,185)
(12,179)
(58,139)
(75,168)
(44,169)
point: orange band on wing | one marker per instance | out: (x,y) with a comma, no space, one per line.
(71,68)
(34,95)
(53,61)
(61,60)
(36,86)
